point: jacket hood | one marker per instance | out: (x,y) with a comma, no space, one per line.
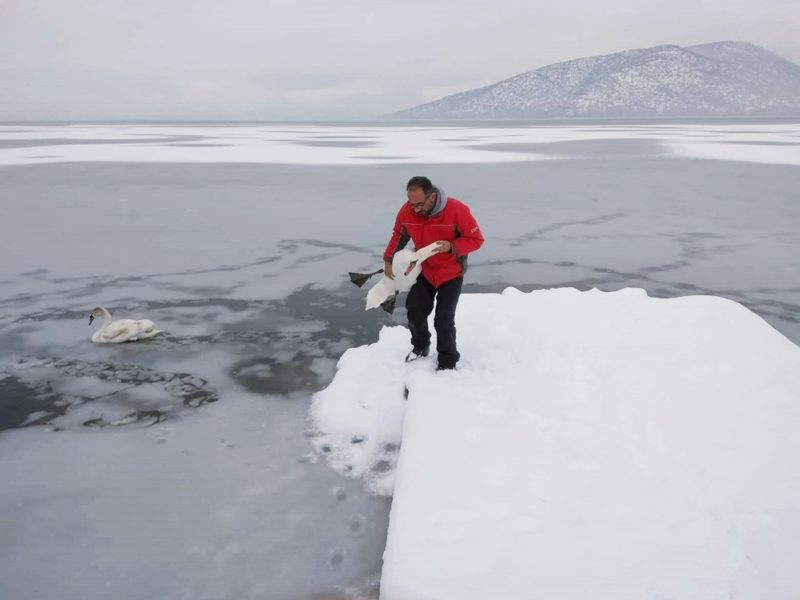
(441,201)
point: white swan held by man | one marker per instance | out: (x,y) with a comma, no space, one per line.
(122,330)
(406,267)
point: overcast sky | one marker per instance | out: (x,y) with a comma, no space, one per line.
(326,59)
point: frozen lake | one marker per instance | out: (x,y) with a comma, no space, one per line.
(183,467)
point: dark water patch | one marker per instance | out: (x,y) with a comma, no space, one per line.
(19,400)
(144,418)
(746,132)
(382,466)
(761,143)
(342,136)
(598,220)
(88,286)
(784,310)
(33,143)
(336,557)
(342,312)
(208,291)
(36,273)
(291,245)
(311,259)
(7,144)
(613,147)
(697,245)
(134,305)
(39,383)
(356,524)
(296,131)
(618,275)
(101,281)
(335,143)
(607,129)
(109,280)
(702,235)
(382,157)
(198,145)
(678,264)
(688,287)
(507,261)
(267,375)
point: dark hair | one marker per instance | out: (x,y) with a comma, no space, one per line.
(420,182)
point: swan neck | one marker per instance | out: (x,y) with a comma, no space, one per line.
(426,252)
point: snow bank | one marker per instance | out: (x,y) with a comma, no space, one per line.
(591,445)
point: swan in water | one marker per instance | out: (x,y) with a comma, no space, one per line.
(406,267)
(123,330)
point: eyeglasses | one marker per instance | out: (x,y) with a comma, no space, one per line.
(422,203)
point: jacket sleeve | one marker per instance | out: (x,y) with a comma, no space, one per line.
(399,238)
(469,237)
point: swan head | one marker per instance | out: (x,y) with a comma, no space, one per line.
(421,255)
(97,311)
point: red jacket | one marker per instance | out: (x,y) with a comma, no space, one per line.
(454,224)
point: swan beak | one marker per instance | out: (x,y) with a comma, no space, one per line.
(91,319)
(410,267)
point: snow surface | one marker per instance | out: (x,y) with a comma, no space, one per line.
(777,143)
(591,445)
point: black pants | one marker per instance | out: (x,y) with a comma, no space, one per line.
(419,304)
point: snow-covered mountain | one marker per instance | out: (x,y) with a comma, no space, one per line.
(717,79)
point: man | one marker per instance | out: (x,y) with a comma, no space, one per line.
(430,216)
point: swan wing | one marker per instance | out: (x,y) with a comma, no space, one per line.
(127,330)
(145,325)
(379,292)
(117,331)
(147,329)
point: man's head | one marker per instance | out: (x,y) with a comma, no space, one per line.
(421,195)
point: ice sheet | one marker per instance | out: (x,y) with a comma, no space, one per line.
(245,266)
(776,143)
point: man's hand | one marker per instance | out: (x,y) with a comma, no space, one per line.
(443,246)
(387,269)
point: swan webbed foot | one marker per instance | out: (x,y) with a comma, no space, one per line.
(388,305)
(361,278)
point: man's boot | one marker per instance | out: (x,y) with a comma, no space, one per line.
(418,353)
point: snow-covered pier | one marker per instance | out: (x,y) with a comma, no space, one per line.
(591,445)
